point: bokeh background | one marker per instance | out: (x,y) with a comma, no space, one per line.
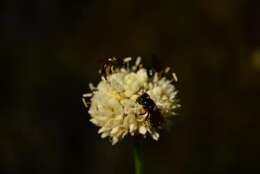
(50,51)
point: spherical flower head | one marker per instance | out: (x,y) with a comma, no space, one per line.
(114,107)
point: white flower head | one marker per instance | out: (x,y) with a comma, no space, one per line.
(114,105)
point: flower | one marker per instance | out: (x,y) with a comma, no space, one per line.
(113,103)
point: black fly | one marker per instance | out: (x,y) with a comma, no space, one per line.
(154,115)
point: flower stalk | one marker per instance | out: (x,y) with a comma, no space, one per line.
(138,156)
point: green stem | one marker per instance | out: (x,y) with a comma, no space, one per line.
(137,152)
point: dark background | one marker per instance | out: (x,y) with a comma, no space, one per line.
(49,52)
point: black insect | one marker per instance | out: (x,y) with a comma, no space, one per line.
(154,114)
(112,65)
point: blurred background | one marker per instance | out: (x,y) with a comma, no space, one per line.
(50,51)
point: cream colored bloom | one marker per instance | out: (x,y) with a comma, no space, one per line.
(113,105)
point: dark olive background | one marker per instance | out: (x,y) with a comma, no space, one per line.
(50,51)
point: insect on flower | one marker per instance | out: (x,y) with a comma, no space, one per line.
(155,118)
(112,65)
